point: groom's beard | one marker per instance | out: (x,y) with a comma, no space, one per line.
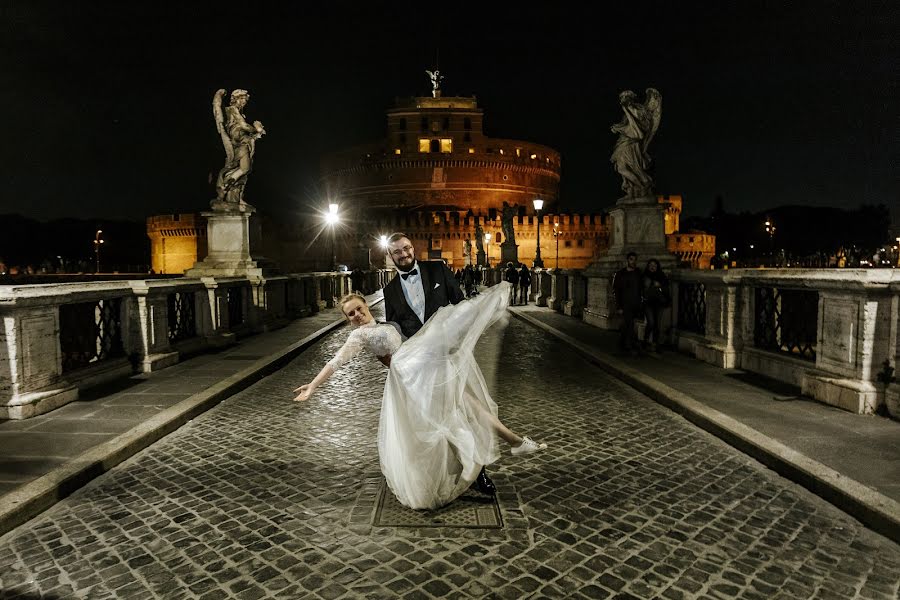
(405,268)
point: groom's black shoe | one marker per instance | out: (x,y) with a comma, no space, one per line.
(484,484)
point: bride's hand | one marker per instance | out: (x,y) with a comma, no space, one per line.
(305,391)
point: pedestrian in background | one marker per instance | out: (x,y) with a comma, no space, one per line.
(657,297)
(512,276)
(524,284)
(627,291)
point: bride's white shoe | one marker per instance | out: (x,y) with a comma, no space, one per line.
(528,446)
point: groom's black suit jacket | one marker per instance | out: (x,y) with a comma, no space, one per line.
(441,289)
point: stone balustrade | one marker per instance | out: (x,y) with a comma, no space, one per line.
(828,332)
(58,339)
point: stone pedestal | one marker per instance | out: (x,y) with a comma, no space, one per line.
(480,258)
(509,252)
(228,242)
(637,225)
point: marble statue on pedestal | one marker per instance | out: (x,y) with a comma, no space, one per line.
(436,78)
(506,221)
(636,131)
(239,139)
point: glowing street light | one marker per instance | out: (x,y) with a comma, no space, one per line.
(332,218)
(538,205)
(487,241)
(556,235)
(97,243)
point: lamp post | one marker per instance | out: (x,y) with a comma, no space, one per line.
(556,235)
(332,218)
(538,263)
(383,244)
(487,241)
(97,243)
(770,229)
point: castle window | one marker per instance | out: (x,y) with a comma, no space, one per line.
(518,152)
(435,126)
(396,150)
(424,123)
(402,138)
(467,137)
(471,150)
(568,243)
(435,146)
(424,144)
(501,150)
(446,123)
(403,124)
(446,145)
(533,156)
(467,123)
(505,177)
(581,243)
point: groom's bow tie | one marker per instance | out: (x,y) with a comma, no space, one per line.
(406,276)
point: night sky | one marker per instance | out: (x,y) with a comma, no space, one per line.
(108,107)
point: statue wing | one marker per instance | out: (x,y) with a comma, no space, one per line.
(220,124)
(654,112)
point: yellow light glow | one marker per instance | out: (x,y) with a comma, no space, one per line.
(396,150)
(424,144)
(446,145)
(471,150)
(533,156)
(538,204)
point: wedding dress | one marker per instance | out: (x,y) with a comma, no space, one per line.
(434,435)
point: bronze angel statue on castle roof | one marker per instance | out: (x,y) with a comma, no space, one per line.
(636,130)
(239,139)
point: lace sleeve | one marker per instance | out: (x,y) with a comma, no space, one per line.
(348,351)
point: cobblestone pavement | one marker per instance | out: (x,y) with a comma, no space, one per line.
(256,499)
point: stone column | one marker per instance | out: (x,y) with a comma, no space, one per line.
(558,289)
(637,225)
(228,243)
(577,294)
(150,322)
(543,286)
(213,325)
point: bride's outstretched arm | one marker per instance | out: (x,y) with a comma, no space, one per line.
(306,390)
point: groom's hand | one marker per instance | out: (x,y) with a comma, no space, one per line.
(385,360)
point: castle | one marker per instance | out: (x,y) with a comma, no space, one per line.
(437,177)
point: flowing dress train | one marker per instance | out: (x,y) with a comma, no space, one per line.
(434,435)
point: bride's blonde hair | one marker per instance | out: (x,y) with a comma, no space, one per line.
(349,297)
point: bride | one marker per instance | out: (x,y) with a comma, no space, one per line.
(438,423)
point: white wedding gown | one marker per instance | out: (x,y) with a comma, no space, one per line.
(433,437)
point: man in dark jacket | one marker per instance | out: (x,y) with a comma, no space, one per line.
(627,290)
(524,284)
(415,295)
(512,276)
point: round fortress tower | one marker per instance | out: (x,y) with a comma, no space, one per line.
(436,157)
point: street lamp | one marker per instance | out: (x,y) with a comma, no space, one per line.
(97,243)
(556,235)
(383,244)
(538,205)
(770,229)
(332,219)
(487,241)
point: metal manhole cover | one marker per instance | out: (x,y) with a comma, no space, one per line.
(471,510)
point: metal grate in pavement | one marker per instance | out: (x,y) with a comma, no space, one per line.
(471,510)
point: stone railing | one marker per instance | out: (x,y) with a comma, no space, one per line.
(827,331)
(57,339)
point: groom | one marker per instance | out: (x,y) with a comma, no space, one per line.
(413,297)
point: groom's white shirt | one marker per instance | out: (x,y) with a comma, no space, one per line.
(414,292)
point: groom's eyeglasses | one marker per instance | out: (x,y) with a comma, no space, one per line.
(401,251)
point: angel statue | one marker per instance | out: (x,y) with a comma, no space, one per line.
(239,139)
(507,219)
(479,238)
(636,130)
(436,78)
